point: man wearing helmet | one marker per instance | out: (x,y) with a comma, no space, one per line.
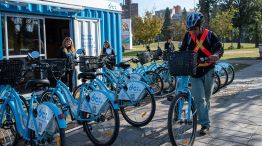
(209,48)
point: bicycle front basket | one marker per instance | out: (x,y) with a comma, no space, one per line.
(91,65)
(58,66)
(10,71)
(144,57)
(183,63)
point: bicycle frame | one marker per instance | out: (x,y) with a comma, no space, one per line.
(24,121)
(67,99)
(182,87)
(124,94)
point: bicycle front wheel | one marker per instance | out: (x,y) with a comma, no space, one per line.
(181,124)
(104,130)
(53,134)
(141,113)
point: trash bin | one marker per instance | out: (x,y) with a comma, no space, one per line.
(260,50)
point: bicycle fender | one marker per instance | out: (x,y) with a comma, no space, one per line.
(112,97)
(57,112)
(60,95)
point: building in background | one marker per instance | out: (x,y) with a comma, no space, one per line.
(160,13)
(175,13)
(130,10)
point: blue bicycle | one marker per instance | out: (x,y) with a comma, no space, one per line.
(43,124)
(95,109)
(182,115)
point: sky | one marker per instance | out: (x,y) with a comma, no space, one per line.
(149,5)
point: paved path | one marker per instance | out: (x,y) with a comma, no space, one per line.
(236,116)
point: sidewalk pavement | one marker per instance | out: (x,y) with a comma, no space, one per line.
(236,116)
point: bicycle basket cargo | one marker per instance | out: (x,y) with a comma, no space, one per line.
(182,63)
(10,71)
(91,65)
(144,57)
(58,67)
(166,55)
(156,54)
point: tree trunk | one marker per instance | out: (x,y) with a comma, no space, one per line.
(257,37)
(239,37)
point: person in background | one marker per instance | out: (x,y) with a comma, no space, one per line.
(67,51)
(109,51)
(169,46)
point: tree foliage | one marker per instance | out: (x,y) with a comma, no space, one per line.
(206,8)
(145,29)
(248,14)
(167,28)
(179,30)
(222,23)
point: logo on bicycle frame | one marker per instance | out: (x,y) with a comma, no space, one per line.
(133,88)
(95,99)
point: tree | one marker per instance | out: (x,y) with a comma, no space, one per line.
(137,29)
(184,15)
(256,22)
(167,28)
(247,9)
(206,7)
(145,29)
(179,30)
(222,23)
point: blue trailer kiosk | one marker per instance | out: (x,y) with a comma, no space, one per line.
(43,24)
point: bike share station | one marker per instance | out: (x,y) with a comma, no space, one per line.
(42,25)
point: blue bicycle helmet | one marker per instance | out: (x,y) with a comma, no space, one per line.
(194,19)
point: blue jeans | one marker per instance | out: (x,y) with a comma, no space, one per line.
(202,89)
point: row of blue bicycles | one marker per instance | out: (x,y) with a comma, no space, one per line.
(104,91)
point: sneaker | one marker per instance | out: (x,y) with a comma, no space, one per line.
(204,130)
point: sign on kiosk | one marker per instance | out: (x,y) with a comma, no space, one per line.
(76,4)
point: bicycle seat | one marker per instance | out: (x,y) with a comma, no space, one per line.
(123,65)
(87,76)
(34,84)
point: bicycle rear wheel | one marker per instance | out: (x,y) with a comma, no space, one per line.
(154,81)
(181,129)
(169,82)
(106,80)
(8,130)
(53,134)
(104,130)
(223,75)
(217,84)
(140,114)
(231,73)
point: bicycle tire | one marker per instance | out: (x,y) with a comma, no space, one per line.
(217,85)
(170,119)
(233,74)
(147,120)
(62,137)
(159,83)
(109,83)
(171,84)
(76,92)
(88,130)
(223,84)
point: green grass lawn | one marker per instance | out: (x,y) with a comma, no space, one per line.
(247,52)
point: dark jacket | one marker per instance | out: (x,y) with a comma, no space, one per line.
(214,46)
(105,53)
(169,46)
(63,53)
